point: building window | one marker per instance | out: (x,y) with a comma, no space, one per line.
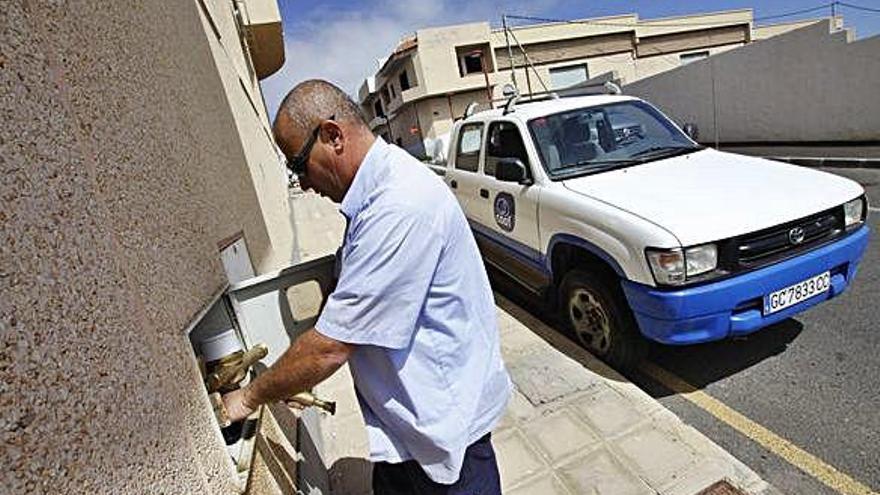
(385,97)
(377,107)
(686,58)
(404,81)
(472,63)
(473,59)
(565,77)
(391,88)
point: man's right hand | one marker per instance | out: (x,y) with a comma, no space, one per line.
(237,405)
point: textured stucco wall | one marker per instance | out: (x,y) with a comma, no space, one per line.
(810,84)
(121,167)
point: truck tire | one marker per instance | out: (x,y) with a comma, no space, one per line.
(593,307)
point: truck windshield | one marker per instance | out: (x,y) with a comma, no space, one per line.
(605,137)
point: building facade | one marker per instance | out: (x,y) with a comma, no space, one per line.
(434,74)
(810,91)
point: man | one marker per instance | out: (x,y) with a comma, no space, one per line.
(412,312)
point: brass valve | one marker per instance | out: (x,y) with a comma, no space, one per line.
(234,370)
(306,399)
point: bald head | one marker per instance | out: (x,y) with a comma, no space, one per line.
(308,104)
(317,109)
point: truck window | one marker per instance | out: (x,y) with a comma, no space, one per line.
(467,156)
(604,137)
(505,141)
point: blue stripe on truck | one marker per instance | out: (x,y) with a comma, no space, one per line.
(520,251)
(537,259)
(734,306)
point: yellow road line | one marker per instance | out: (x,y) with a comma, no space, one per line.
(796,456)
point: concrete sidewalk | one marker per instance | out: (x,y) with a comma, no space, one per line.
(573,426)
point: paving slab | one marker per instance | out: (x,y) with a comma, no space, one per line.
(518,460)
(573,425)
(559,435)
(610,413)
(656,455)
(543,381)
(602,472)
(546,484)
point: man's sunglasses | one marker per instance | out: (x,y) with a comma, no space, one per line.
(297,164)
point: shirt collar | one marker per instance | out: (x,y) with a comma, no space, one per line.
(364,179)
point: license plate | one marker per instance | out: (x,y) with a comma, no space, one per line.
(793,294)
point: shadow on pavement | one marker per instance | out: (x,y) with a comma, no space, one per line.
(352,476)
(532,313)
(699,365)
(702,364)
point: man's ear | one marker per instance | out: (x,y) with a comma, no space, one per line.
(332,132)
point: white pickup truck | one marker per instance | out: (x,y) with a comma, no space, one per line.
(604,206)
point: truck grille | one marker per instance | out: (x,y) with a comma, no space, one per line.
(782,241)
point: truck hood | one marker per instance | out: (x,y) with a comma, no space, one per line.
(711,195)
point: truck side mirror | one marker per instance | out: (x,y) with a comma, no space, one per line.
(692,131)
(512,170)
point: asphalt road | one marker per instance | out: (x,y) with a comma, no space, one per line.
(813,380)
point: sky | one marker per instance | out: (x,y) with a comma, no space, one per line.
(341,41)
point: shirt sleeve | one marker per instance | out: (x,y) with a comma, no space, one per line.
(386,273)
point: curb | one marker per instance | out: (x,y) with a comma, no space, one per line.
(524,337)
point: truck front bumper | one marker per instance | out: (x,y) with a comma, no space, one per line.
(734,306)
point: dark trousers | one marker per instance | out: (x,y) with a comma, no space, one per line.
(479,475)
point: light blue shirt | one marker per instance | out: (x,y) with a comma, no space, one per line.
(414,297)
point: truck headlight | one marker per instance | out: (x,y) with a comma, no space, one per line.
(667,266)
(700,259)
(676,266)
(854,212)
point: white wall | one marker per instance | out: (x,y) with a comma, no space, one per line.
(805,85)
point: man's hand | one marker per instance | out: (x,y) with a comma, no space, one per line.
(237,406)
(309,360)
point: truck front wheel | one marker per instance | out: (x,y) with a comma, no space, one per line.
(595,310)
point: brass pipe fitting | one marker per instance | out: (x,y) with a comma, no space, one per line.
(307,399)
(234,371)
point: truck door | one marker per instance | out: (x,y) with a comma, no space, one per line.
(463,176)
(511,209)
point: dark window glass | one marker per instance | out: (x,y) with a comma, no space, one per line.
(467,156)
(505,141)
(377,107)
(471,62)
(404,81)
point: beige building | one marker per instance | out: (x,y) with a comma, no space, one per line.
(814,88)
(139,177)
(434,74)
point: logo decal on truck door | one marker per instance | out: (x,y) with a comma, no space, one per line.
(505,211)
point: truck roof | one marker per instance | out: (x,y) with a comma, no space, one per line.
(529,110)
